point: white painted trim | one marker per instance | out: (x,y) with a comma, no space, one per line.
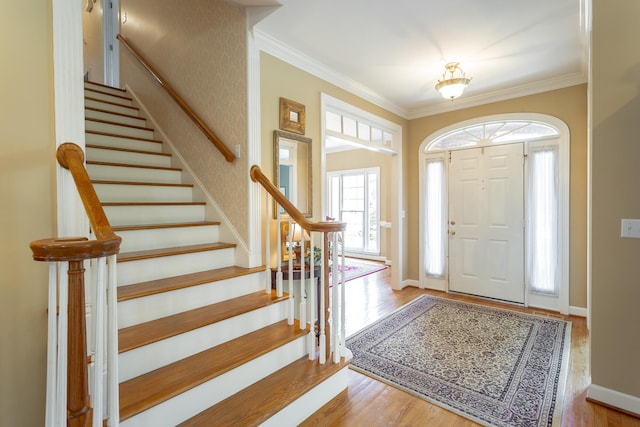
(499,95)
(614,398)
(69,109)
(397,212)
(564,160)
(409,282)
(300,60)
(578,311)
(254,153)
(276,48)
(111,46)
(213,211)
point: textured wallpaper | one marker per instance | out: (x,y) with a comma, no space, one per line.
(199,46)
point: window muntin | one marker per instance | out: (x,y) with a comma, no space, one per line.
(496,132)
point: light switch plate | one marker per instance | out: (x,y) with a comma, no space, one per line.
(630,228)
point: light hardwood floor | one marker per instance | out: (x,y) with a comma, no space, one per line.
(371,403)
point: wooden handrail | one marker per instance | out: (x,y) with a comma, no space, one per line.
(226,152)
(71,157)
(75,250)
(323,226)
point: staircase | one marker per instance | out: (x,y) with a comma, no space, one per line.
(201,342)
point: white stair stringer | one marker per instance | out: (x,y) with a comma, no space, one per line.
(153,356)
(151,307)
(147,269)
(197,399)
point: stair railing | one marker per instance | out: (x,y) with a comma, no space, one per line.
(321,290)
(211,136)
(69,401)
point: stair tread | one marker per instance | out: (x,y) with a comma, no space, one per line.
(109,122)
(129,165)
(129,116)
(153,184)
(105,86)
(176,250)
(108,94)
(155,387)
(169,225)
(156,330)
(257,403)
(152,287)
(115,135)
(153,203)
(89,98)
(128,150)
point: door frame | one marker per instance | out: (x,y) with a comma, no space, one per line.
(563,214)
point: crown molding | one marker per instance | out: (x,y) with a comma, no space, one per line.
(499,95)
(282,51)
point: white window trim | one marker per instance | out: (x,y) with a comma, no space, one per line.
(563,141)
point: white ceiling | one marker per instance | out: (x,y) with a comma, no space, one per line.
(393,52)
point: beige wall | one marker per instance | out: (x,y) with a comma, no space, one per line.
(568,105)
(27,213)
(360,159)
(201,51)
(92,42)
(615,280)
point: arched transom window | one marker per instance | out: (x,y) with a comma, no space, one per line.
(495,132)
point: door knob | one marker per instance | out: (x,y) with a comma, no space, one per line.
(452,232)
(452,222)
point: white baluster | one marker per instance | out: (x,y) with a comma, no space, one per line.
(61,386)
(279,258)
(311,336)
(335,294)
(113,397)
(321,308)
(303,293)
(267,240)
(290,252)
(52,353)
(97,395)
(343,301)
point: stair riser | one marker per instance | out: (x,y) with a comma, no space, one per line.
(152,307)
(133,174)
(142,240)
(191,402)
(115,156)
(157,268)
(118,129)
(154,356)
(108,98)
(100,88)
(306,405)
(123,142)
(122,109)
(118,118)
(140,215)
(143,193)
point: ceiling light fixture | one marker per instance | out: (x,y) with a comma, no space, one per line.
(452,86)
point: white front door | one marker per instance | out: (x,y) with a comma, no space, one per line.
(486,219)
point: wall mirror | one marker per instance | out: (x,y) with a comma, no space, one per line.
(292,170)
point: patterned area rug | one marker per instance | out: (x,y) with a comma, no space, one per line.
(495,367)
(354,269)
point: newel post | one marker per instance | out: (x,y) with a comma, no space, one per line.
(79,411)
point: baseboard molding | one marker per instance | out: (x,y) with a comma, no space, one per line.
(409,282)
(578,311)
(614,399)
